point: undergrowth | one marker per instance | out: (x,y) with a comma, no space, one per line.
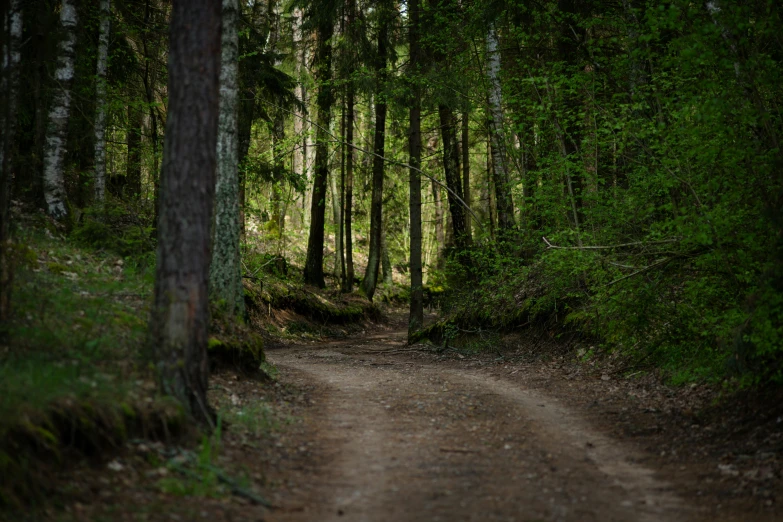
(72,380)
(685,315)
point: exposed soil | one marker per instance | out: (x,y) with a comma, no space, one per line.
(372,430)
(407,435)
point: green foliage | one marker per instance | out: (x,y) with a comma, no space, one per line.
(649,139)
(116,227)
(71,376)
(257,419)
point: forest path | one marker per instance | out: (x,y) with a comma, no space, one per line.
(398,439)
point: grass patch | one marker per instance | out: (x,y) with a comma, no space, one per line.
(72,377)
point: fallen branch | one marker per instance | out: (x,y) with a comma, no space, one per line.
(658,263)
(608,247)
(458,450)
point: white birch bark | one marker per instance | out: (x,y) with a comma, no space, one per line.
(225,270)
(337,217)
(496,135)
(495,98)
(100,103)
(298,165)
(9,83)
(57,128)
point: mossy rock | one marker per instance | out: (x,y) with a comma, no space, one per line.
(434,333)
(243,352)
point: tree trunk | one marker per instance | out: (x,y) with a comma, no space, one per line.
(298,160)
(505,205)
(337,218)
(314,263)
(225,274)
(150,79)
(341,223)
(386,267)
(569,136)
(416,317)
(9,81)
(348,207)
(466,172)
(437,203)
(278,128)
(453,182)
(179,320)
(57,127)
(100,103)
(278,136)
(376,206)
(133,167)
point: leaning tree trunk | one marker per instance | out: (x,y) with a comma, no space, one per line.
(376,206)
(57,127)
(416,317)
(180,315)
(502,187)
(314,263)
(100,103)
(225,273)
(9,84)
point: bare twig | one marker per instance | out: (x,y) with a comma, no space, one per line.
(658,263)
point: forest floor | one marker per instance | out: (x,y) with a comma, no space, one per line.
(369,429)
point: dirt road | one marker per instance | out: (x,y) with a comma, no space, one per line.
(401,439)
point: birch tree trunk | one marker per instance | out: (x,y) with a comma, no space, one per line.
(225,273)
(298,161)
(9,84)
(336,219)
(180,314)
(57,127)
(501,180)
(100,103)
(416,317)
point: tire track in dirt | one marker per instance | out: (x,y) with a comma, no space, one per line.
(405,441)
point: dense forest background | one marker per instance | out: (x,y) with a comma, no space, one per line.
(607,168)
(606,173)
